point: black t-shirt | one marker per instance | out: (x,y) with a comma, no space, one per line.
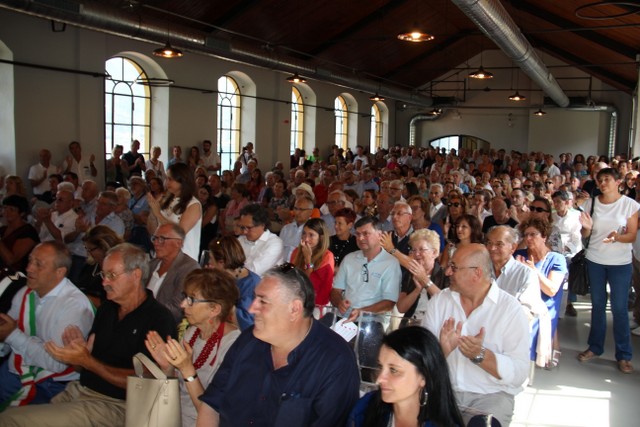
(490,221)
(117,341)
(131,158)
(342,248)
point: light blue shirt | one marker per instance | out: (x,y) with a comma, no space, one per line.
(383,275)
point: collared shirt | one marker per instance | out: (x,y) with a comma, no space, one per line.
(522,282)
(569,228)
(363,287)
(290,236)
(506,335)
(330,221)
(434,209)
(36,172)
(63,306)
(262,254)
(318,387)
(155,280)
(66,222)
(114,222)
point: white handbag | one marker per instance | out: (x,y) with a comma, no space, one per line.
(152,402)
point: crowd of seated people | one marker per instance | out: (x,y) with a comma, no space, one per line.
(399,232)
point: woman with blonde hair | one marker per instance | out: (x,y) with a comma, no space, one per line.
(314,258)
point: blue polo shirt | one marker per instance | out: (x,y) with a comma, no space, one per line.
(318,387)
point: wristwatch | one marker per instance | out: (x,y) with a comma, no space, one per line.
(479,358)
(308,266)
(191,378)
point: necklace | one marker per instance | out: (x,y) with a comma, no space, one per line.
(237,272)
(213,341)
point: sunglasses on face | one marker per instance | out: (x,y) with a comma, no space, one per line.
(454,204)
(537,209)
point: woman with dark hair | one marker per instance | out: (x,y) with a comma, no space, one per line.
(468,229)
(209,216)
(410,189)
(180,206)
(367,205)
(343,242)
(313,257)
(255,184)
(456,206)
(227,255)
(97,241)
(239,199)
(541,208)
(613,227)
(415,388)
(551,268)
(114,166)
(156,188)
(208,302)
(18,237)
(194,159)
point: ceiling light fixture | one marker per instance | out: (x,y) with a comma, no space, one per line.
(415,36)
(435,112)
(376,97)
(481,73)
(517,97)
(296,79)
(168,51)
(540,112)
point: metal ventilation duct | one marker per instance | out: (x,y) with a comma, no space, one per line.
(97,16)
(495,22)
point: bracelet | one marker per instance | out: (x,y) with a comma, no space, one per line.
(308,266)
(191,378)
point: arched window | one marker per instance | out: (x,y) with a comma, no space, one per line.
(228,121)
(342,122)
(127,105)
(297,120)
(375,142)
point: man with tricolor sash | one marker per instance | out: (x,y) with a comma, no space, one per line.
(40,312)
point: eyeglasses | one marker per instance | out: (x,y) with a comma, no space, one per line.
(537,209)
(419,251)
(455,268)
(454,204)
(532,234)
(161,239)
(191,300)
(244,228)
(365,273)
(110,275)
(399,213)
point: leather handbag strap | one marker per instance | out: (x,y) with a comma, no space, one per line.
(140,360)
(593,205)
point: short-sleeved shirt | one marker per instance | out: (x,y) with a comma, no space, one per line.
(363,287)
(318,386)
(117,341)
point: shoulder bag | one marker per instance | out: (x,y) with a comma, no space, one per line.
(578,275)
(152,402)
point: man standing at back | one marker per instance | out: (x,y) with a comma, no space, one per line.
(83,167)
(210,159)
(40,312)
(39,173)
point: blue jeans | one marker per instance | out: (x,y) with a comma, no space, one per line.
(619,279)
(10,383)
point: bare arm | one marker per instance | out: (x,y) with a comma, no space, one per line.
(207,417)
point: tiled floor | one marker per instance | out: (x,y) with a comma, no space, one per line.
(581,394)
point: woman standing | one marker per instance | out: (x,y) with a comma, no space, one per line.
(194,159)
(312,257)
(115,171)
(208,300)
(552,272)
(227,254)
(424,277)
(180,206)
(612,229)
(415,388)
(209,216)
(156,164)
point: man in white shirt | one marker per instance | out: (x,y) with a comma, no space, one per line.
(57,223)
(437,211)
(210,159)
(292,232)
(81,166)
(483,334)
(262,248)
(40,312)
(361,156)
(39,173)
(567,221)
